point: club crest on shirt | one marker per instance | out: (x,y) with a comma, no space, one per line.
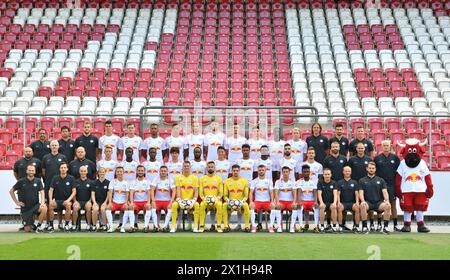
(378,182)
(67,183)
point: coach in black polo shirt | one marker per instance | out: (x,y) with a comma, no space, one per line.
(327,195)
(66,144)
(360,139)
(30,199)
(348,192)
(51,163)
(81,160)
(319,142)
(387,164)
(99,192)
(339,137)
(89,142)
(335,162)
(374,197)
(20,166)
(82,199)
(41,147)
(359,163)
(61,194)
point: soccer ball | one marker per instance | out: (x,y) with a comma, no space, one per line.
(210,200)
(234,204)
(189,203)
(184,203)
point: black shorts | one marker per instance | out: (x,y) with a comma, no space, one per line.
(60,206)
(100,202)
(327,205)
(374,206)
(28,213)
(391,192)
(82,205)
(348,206)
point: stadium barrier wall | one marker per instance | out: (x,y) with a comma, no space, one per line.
(439,205)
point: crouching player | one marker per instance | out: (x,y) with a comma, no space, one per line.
(140,199)
(187,193)
(286,198)
(235,194)
(117,199)
(307,193)
(261,199)
(348,192)
(211,191)
(327,193)
(163,194)
(99,202)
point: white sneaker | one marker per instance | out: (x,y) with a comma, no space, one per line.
(271,229)
(110,229)
(253,229)
(195,230)
(292,230)
(172,230)
(122,230)
(279,229)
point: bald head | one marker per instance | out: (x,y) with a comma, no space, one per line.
(28,153)
(347,171)
(83,172)
(54,146)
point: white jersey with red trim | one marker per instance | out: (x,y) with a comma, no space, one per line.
(268,164)
(276,149)
(163,189)
(198,168)
(129,170)
(177,142)
(292,164)
(194,141)
(109,166)
(413,179)
(140,188)
(158,143)
(285,190)
(307,189)
(262,188)
(316,169)
(247,167)
(255,148)
(135,143)
(223,168)
(214,141)
(174,169)
(234,147)
(152,169)
(298,149)
(111,141)
(120,189)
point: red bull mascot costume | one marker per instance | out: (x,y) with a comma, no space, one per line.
(413,184)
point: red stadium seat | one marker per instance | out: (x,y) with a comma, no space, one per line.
(410,123)
(414,133)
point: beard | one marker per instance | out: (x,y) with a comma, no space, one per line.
(287,153)
(210,171)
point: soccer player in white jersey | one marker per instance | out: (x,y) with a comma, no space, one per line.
(129,166)
(194,140)
(131,141)
(246,164)
(175,140)
(108,163)
(118,194)
(223,166)
(213,140)
(276,149)
(298,146)
(307,193)
(285,198)
(174,166)
(261,199)
(316,169)
(155,141)
(234,145)
(290,162)
(162,195)
(109,139)
(255,143)
(198,166)
(266,161)
(140,199)
(152,165)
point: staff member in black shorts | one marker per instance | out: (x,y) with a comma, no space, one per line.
(61,194)
(99,193)
(359,163)
(31,200)
(41,147)
(335,162)
(20,166)
(81,160)
(82,200)
(348,192)
(327,193)
(387,164)
(374,197)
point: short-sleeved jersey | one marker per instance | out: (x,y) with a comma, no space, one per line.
(223,168)
(336,165)
(268,163)
(210,185)
(320,144)
(247,167)
(261,189)
(192,142)
(373,188)
(20,166)
(28,191)
(129,170)
(62,187)
(141,189)
(101,190)
(109,166)
(236,189)
(135,143)
(316,169)
(276,149)
(152,169)
(198,168)
(177,142)
(90,144)
(327,190)
(158,143)
(214,141)
(255,148)
(174,169)
(307,189)
(367,144)
(347,189)
(110,141)
(292,164)
(84,189)
(187,185)
(413,179)
(234,147)
(359,166)
(387,167)
(163,189)
(120,189)
(285,190)
(298,149)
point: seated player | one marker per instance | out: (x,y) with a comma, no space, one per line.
(118,199)
(374,197)
(99,193)
(286,198)
(82,200)
(327,193)
(187,194)
(61,194)
(261,198)
(235,189)
(140,199)
(211,186)
(163,194)
(307,193)
(348,192)
(31,199)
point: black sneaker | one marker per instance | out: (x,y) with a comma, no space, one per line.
(306,227)
(385,230)
(60,227)
(50,229)
(238,228)
(34,227)
(396,229)
(155,229)
(212,228)
(346,229)
(247,229)
(406,228)
(379,228)
(365,230)
(39,230)
(355,229)
(227,229)
(423,229)
(329,229)
(259,227)
(372,227)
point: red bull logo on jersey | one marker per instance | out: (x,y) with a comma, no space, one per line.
(195,145)
(132,147)
(174,172)
(163,190)
(197,172)
(188,188)
(119,191)
(296,151)
(222,171)
(285,190)
(413,178)
(129,171)
(277,152)
(215,144)
(108,170)
(235,149)
(140,191)
(246,168)
(152,171)
(255,150)
(261,189)
(210,187)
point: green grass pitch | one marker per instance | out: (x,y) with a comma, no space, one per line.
(213,246)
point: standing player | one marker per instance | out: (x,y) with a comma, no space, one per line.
(246,163)
(99,196)
(129,166)
(316,169)
(152,165)
(108,163)
(276,148)
(307,193)
(261,199)
(31,199)
(211,186)
(175,140)
(118,194)
(234,145)
(108,140)
(194,140)
(131,140)
(298,146)
(140,199)
(327,193)
(213,140)
(223,165)
(82,200)
(267,162)
(348,191)
(285,198)
(156,142)
(255,143)
(163,194)
(235,188)
(187,191)
(335,162)
(174,166)
(198,166)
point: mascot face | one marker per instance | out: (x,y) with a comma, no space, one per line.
(412,151)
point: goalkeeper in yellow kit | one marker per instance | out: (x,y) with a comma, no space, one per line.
(187,189)
(235,188)
(211,185)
